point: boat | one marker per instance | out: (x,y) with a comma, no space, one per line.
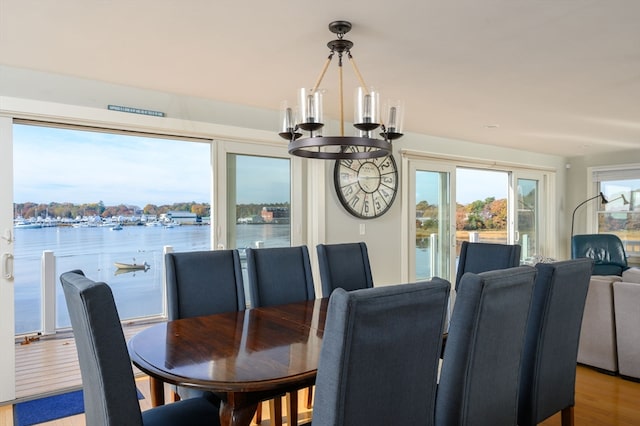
(129,271)
(132,266)
(27,225)
(117,227)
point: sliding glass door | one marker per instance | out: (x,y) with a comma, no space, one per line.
(431,219)
(491,206)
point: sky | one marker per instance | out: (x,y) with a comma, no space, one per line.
(471,185)
(74,166)
(64,165)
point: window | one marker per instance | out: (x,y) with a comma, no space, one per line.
(95,199)
(621,214)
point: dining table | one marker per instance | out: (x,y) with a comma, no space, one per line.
(244,357)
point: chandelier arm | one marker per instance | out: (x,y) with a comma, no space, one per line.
(322,73)
(357,71)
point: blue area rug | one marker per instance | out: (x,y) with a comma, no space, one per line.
(50,408)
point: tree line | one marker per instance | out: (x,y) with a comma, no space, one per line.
(71,211)
(487,214)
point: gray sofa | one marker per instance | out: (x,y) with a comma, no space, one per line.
(610,334)
(626,297)
(598,347)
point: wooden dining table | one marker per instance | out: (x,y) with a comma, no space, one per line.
(245,357)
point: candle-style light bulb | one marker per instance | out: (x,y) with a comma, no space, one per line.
(288,120)
(391,125)
(311,117)
(366,109)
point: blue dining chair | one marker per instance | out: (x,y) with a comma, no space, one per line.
(203,283)
(483,257)
(110,394)
(379,358)
(548,372)
(280,275)
(480,374)
(344,266)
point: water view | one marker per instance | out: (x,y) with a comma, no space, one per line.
(94,250)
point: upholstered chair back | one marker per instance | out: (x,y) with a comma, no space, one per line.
(480,373)
(548,373)
(110,395)
(345,266)
(203,283)
(279,275)
(379,358)
(483,257)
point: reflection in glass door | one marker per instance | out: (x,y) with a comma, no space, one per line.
(258,201)
(432,249)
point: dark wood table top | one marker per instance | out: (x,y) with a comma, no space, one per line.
(250,355)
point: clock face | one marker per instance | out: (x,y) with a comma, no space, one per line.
(366,188)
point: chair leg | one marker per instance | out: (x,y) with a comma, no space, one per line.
(275,408)
(309,397)
(292,408)
(567,416)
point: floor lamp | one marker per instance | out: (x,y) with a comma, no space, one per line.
(603,200)
(573,217)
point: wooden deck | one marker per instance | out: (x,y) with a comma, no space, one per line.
(49,366)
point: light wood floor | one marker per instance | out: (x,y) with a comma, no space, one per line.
(50,366)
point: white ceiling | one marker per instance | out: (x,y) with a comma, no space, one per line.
(552,76)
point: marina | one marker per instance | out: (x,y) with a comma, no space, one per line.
(109,256)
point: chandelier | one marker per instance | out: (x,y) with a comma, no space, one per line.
(308,116)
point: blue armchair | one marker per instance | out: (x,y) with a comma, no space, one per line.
(606,250)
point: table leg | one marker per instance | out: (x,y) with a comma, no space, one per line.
(157,391)
(231,415)
(292,407)
(275,409)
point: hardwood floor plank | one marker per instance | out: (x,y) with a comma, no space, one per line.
(603,400)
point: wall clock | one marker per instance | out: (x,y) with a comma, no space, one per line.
(366,188)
